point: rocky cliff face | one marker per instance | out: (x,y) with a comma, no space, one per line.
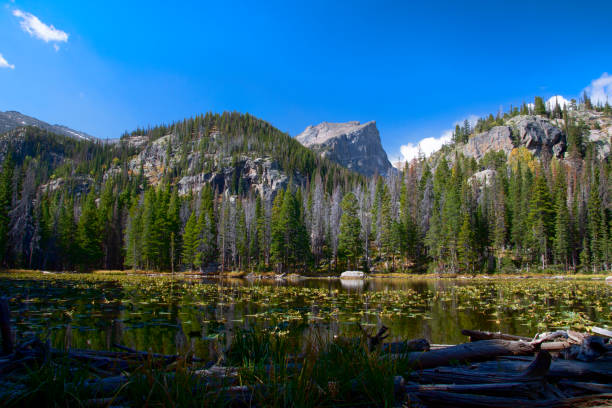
(540,135)
(600,129)
(242,173)
(536,133)
(353,145)
(496,139)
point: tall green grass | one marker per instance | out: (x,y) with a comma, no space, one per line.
(277,372)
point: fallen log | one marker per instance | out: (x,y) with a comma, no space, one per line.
(591,349)
(601,331)
(446,399)
(555,345)
(154,355)
(516,389)
(507,369)
(588,387)
(467,352)
(477,335)
(406,346)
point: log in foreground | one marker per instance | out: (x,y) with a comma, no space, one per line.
(468,352)
(451,399)
(477,335)
(506,370)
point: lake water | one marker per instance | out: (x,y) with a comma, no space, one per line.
(162,314)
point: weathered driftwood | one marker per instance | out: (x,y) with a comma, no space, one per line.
(5,327)
(146,354)
(601,331)
(468,352)
(406,346)
(528,389)
(591,348)
(588,387)
(507,369)
(446,399)
(477,335)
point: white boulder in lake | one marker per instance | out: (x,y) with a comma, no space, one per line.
(352,275)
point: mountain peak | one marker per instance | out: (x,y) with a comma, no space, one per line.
(351,144)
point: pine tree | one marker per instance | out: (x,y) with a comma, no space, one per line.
(587,101)
(6,195)
(151,234)
(562,241)
(260,234)
(350,247)
(595,222)
(174,228)
(451,216)
(499,212)
(277,233)
(133,237)
(242,244)
(539,108)
(541,220)
(466,245)
(191,241)
(390,229)
(89,234)
(207,227)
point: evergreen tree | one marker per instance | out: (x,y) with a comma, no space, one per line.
(562,241)
(207,228)
(541,219)
(67,234)
(350,247)
(260,234)
(191,241)
(89,234)
(6,195)
(133,237)
(277,233)
(151,234)
(174,228)
(595,222)
(466,245)
(539,108)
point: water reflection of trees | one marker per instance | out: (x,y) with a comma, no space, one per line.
(168,317)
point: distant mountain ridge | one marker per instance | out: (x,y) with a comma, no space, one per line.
(10,120)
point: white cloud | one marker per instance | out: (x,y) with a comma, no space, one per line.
(4,63)
(600,90)
(36,28)
(557,99)
(426,146)
(430,145)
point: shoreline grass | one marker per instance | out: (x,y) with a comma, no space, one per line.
(535,274)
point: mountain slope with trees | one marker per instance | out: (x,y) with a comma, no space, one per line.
(230,192)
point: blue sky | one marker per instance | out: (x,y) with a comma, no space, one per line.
(415,68)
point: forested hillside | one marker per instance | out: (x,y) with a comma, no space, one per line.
(230,192)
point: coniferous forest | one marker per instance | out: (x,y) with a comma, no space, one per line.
(257,200)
